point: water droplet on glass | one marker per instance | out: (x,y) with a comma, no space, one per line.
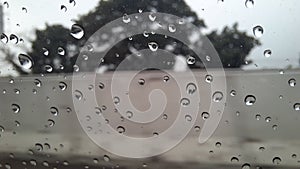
(205,115)
(207,58)
(268,119)
(51,123)
(184,102)
(232,93)
(281,71)
(294,155)
(190,60)
(6,4)
(54,111)
(45,51)
(126,18)
(75,68)
(120,129)
(3,38)
(257,116)
(25,61)
(267,53)
(77,31)
(191,88)
(129,114)
(72,2)
(106,158)
(258,31)
(140,10)
(48,68)
(62,85)
(63,7)
(116,100)
(208,78)
(141,81)
(14,38)
(153,46)
(249,3)
(297,106)
(246,166)
(188,118)
(276,160)
(218,144)
(38,147)
(234,159)
(101,85)
(15,108)
(292,82)
(165,116)
(275,127)
(249,100)
(217,96)
(172,28)
(61,51)
(78,95)
(152,17)
(24,9)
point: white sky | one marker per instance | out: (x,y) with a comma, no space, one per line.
(279,18)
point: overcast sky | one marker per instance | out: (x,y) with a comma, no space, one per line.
(279,19)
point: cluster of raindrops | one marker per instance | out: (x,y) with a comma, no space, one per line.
(13,38)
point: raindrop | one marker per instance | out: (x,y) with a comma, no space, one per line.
(208,78)
(267,53)
(232,93)
(140,10)
(77,31)
(17,91)
(197,128)
(2,129)
(116,100)
(141,81)
(249,3)
(63,7)
(172,28)
(6,4)
(281,71)
(268,119)
(106,158)
(184,102)
(129,114)
(191,88)
(45,51)
(78,95)
(48,68)
(153,46)
(101,85)
(249,100)
(297,106)
(24,9)
(205,115)
(61,51)
(276,160)
(14,38)
(218,144)
(246,166)
(38,147)
(217,96)
(62,85)
(152,17)
(257,117)
(261,148)
(275,127)
(190,60)
(126,18)
(207,58)
(188,118)
(75,68)
(258,31)
(51,123)
(72,1)
(15,108)
(234,159)
(54,111)
(292,82)
(25,61)
(294,155)
(120,129)
(165,116)
(166,78)
(17,123)
(3,38)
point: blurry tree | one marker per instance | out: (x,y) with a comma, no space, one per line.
(232,45)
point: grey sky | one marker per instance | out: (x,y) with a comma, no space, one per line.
(280,20)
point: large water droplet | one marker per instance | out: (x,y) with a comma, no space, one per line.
(276,160)
(25,61)
(258,31)
(153,46)
(249,3)
(62,85)
(292,82)
(190,60)
(77,31)
(120,129)
(249,100)
(297,106)
(54,111)
(15,108)
(217,96)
